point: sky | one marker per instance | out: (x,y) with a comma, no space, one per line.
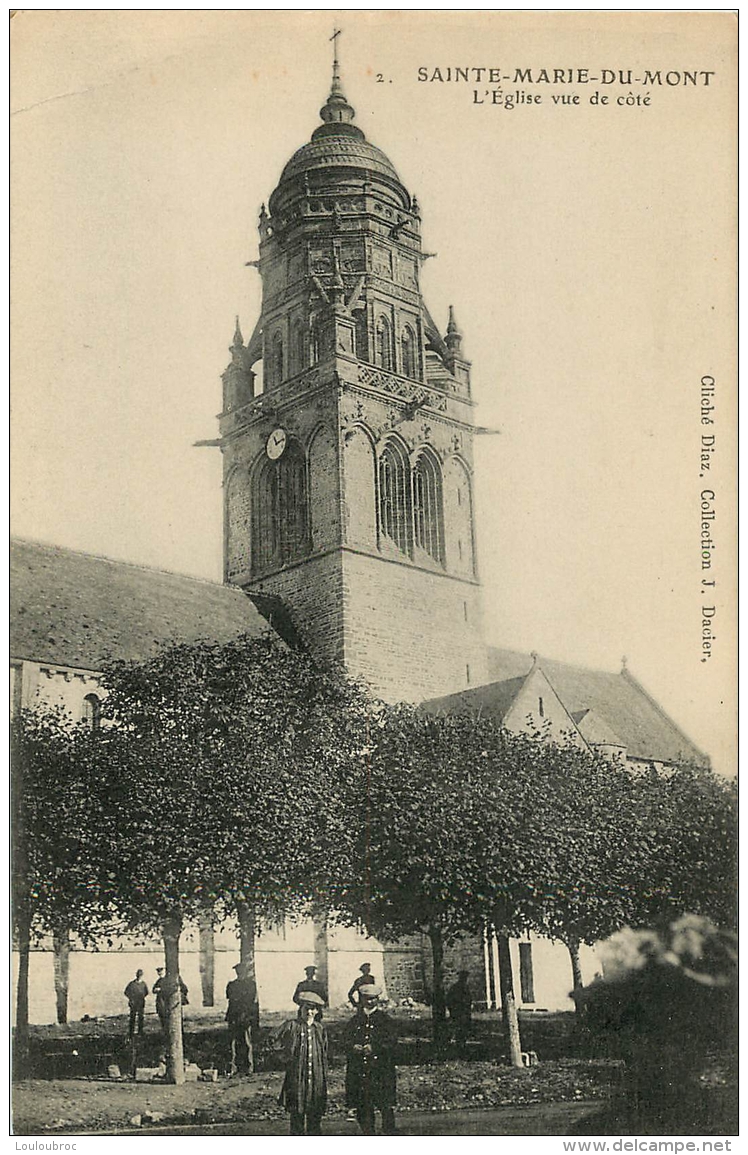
(587,248)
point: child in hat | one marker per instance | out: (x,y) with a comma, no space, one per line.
(303,1041)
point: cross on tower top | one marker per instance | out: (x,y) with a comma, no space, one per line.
(335,62)
(336,109)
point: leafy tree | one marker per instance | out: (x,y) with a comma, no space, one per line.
(509,796)
(688,824)
(631,848)
(421,828)
(586,881)
(56,840)
(604,846)
(216,782)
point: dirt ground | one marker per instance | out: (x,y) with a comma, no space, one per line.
(86,1104)
(58,1103)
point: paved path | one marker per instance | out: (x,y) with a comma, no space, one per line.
(536,1119)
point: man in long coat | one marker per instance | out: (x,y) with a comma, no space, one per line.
(370,1077)
(303,1041)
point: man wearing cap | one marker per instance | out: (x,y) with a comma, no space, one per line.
(365,977)
(161,989)
(158,990)
(370,1077)
(303,1042)
(136,993)
(310,983)
(242,1017)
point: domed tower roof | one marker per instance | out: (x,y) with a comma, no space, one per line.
(337,149)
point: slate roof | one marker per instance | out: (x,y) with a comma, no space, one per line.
(620,706)
(77,609)
(490,701)
(595,729)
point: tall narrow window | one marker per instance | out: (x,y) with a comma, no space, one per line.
(91,716)
(280,516)
(264,525)
(299,348)
(277,361)
(427,507)
(362,335)
(291,510)
(526,978)
(408,353)
(316,343)
(384,344)
(394,497)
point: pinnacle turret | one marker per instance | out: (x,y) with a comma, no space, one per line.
(453,340)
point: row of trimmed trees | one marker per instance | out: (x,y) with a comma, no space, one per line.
(241,780)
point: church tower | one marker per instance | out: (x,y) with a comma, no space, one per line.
(348,480)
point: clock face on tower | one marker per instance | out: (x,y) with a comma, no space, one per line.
(276,443)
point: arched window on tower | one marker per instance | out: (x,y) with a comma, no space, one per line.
(428,519)
(408,357)
(384,344)
(316,341)
(394,497)
(280,521)
(299,347)
(277,359)
(91,715)
(362,335)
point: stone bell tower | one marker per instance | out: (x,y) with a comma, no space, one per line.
(348,480)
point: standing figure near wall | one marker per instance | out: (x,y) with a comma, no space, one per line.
(242,1017)
(310,983)
(364,978)
(161,991)
(161,1007)
(460,1006)
(136,993)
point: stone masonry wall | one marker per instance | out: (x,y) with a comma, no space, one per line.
(411,634)
(313,592)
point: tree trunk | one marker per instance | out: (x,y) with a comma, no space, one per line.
(61,963)
(508,1005)
(172,929)
(439,1001)
(321,950)
(246,918)
(21,1042)
(576,974)
(207,958)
